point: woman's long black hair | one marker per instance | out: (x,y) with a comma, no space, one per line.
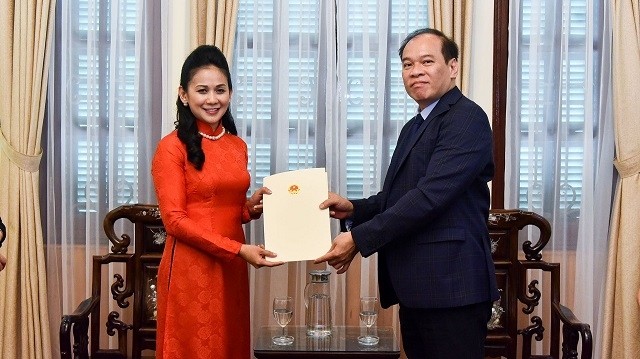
(202,56)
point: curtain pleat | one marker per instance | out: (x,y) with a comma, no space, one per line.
(454,18)
(25,34)
(621,314)
(214,23)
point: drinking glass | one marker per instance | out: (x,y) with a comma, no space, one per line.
(282,312)
(368,316)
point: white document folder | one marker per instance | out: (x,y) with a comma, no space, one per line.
(295,228)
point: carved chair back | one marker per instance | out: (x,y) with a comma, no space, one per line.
(135,287)
(517,240)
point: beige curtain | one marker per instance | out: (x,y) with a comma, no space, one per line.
(215,24)
(25,39)
(454,19)
(621,315)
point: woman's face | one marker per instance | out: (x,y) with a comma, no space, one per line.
(207,95)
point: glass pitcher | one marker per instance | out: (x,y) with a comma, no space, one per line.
(317,303)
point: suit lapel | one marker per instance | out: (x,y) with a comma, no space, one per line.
(443,106)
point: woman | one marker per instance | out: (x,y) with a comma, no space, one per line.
(201,180)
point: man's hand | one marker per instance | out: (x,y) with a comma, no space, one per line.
(256,256)
(341,253)
(339,207)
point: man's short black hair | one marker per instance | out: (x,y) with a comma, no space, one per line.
(449,47)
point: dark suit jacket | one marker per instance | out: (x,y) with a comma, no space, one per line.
(429,222)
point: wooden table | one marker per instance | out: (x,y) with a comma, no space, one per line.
(342,343)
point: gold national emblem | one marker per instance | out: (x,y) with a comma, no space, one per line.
(294,189)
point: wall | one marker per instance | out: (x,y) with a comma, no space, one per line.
(177,45)
(482,55)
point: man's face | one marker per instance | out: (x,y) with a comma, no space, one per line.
(425,73)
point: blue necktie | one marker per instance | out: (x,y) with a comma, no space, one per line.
(417,121)
(404,146)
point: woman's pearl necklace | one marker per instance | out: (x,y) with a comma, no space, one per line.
(213,138)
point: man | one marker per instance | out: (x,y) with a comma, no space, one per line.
(429,222)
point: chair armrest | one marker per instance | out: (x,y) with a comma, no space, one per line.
(572,331)
(78,321)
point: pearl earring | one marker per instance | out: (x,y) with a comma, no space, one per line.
(185,104)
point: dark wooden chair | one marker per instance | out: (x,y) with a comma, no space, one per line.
(520,296)
(135,291)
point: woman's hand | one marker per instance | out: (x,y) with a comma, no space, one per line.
(256,256)
(254,203)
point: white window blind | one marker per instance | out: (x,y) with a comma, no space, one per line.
(106,103)
(254,81)
(552,103)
